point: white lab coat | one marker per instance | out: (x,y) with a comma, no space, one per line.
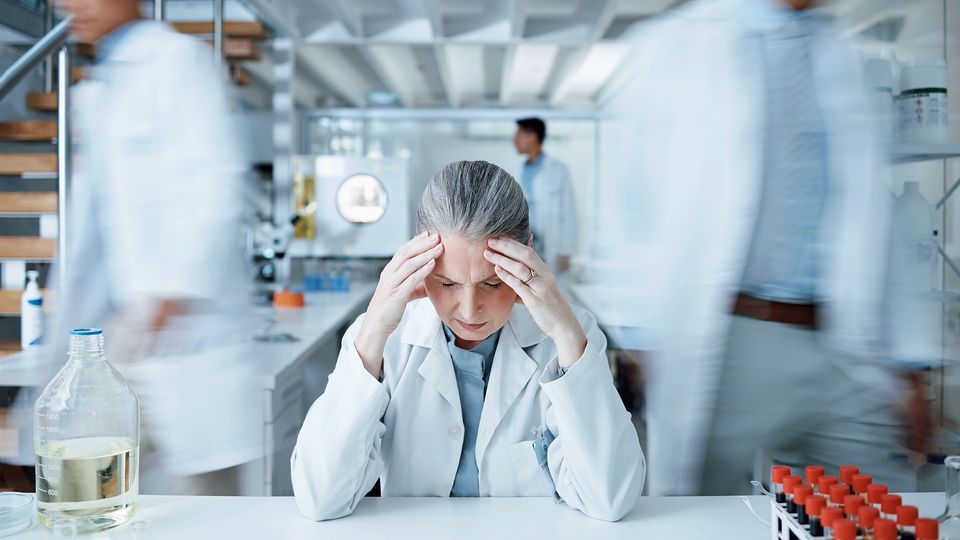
(555,214)
(408,430)
(689,132)
(155,212)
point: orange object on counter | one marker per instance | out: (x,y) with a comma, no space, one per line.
(288,299)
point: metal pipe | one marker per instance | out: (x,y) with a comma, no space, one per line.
(46,46)
(218,33)
(63,161)
(48,61)
(158,10)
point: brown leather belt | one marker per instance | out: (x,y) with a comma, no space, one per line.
(781,312)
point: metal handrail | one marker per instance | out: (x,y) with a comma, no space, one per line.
(43,48)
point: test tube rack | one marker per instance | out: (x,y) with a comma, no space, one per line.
(784,525)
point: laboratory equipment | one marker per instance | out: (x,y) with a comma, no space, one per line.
(363,208)
(31,313)
(950,519)
(923,102)
(16,513)
(87,439)
(305,197)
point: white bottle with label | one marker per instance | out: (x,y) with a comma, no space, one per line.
(915,308)
(923,102)
(31,313)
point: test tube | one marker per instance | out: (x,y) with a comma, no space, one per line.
(827,517)
(888,506)
(875,493)
(777,474)
(846,475)
(844,529)
(789,483)
(837,493)
(907,522)
(884,529)
(928,529)
(815,505)
(851,505)
(867,517)
(813,474)
(824,483)
(861,483)
(800,496)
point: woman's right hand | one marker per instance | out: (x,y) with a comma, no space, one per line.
(400,282)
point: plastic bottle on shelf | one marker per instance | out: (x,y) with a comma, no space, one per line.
(922,102)
(913,278)
(31,313)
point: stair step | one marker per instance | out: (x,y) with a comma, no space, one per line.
(28,130)
(39,202)
(17,164)
(240,49)
(42,101)
(238,29)
(27,248)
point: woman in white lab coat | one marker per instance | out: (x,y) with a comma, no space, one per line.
(396,409)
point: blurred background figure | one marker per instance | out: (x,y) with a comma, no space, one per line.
(546,184)
(155,255)
(768,250)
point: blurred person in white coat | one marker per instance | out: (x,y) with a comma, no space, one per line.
(470,375)
(746,129)
(153,244)
(546,185)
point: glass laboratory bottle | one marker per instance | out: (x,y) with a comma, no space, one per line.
(950,520)
(87,440)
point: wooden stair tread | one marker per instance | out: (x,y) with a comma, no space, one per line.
(42,101)
(33,202)
(9,347)
(27,248)
(240,49)
(16,164)
(239,29)
(28,130)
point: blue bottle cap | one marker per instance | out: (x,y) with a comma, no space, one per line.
(86,332)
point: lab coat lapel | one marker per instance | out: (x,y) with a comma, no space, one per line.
(511,371)
(423,330)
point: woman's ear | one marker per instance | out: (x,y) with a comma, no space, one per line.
(530,240)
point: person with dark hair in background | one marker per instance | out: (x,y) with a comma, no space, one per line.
(546,184)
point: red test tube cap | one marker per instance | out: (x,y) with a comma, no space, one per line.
(861,482)
(928,529)
(907,515)
(847,472)
(852,503)
(829,515)
(844,529)
(824,483)
(868,515)
(884,529)
(838,492)
(815,505)
(875,493)
(889,503)
(790,482)
(802,493)
(778,473)
(813,473)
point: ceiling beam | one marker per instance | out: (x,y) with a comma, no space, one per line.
(335,72)
(348,13)
(517,14)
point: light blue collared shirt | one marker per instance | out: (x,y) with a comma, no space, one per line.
(473,372)
(786,252)
(527,176)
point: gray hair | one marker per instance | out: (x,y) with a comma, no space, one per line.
(476,199)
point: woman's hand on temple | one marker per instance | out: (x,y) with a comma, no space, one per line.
(400,282)
(522,270)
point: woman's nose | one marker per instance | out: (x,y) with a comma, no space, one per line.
(470,304)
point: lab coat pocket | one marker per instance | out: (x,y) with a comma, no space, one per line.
(532,481)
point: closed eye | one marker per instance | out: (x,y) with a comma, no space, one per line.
(446,285)
(493,285)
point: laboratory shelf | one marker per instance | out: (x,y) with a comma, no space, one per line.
(913,153)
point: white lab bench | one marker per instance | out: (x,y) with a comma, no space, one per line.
(397,518)
(292,375)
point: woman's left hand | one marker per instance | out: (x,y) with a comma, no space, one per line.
(522,270)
